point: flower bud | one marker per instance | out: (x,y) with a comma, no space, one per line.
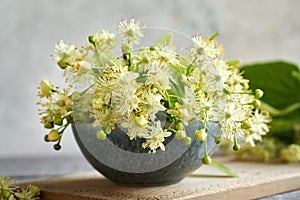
(187,140)
(48,125)
(180,134)
(258,93)
(46,138)
(92,39)
(62,63)
(57,147)
(246,124)
(101,135)
(141,121)
(218,140)
(256,103)
(179,126)
(58,120)
(206,160)
(227,90)
(53,136)
(46,88)
(201,134)
(236,147)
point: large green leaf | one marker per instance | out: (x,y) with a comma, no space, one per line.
(278,81)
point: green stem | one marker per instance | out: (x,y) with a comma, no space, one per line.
(98,53)
(205,147)
(276,112)
(211,133)
(188,71)
(84,91)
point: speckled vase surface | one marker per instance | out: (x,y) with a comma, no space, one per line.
(125,162)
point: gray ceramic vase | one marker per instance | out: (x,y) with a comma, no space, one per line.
(125,162)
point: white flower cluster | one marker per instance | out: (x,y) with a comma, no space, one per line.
(134,91)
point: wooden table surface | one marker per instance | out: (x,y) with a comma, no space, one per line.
(34,169)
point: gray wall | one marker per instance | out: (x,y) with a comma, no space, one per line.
(250,30)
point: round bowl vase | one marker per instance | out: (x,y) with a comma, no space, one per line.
(125,162)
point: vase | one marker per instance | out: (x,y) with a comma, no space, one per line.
(125,162)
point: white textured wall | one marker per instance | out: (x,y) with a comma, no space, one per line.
(250,30)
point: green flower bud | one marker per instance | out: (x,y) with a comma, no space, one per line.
(227,90)
(246,124)
(48,125)
(46,88)
(187,140)
(218,140)
(180,134)
(62,63)
(57,147)
(141,121)
(256,103)
(53,136)
(46,138)
(258,93)
(201,134)
(172,112)
(206,160)
(92,39)
(101,135)
(179,126)
(236,147)
(58,120)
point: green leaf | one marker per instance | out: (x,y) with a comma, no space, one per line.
(276,79)
(165,40)
(223,168)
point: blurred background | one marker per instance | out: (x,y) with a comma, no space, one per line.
(251,31)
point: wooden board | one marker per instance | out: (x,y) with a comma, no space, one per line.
(255,180)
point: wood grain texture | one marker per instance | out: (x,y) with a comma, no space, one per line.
(255,180)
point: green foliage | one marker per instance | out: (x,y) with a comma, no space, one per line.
(276,79)
(280,82)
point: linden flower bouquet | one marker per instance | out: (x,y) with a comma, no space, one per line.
(144,84)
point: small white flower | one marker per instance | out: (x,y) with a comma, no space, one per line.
(134,128)
(65,51)
(232,116)
(129,78)
(212,107)
(190,102)
(131,31)
(106,41)
(158,76)
(166,54)
(124,99)
(258,123)
(156,138)
(152,104)
(204,48)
